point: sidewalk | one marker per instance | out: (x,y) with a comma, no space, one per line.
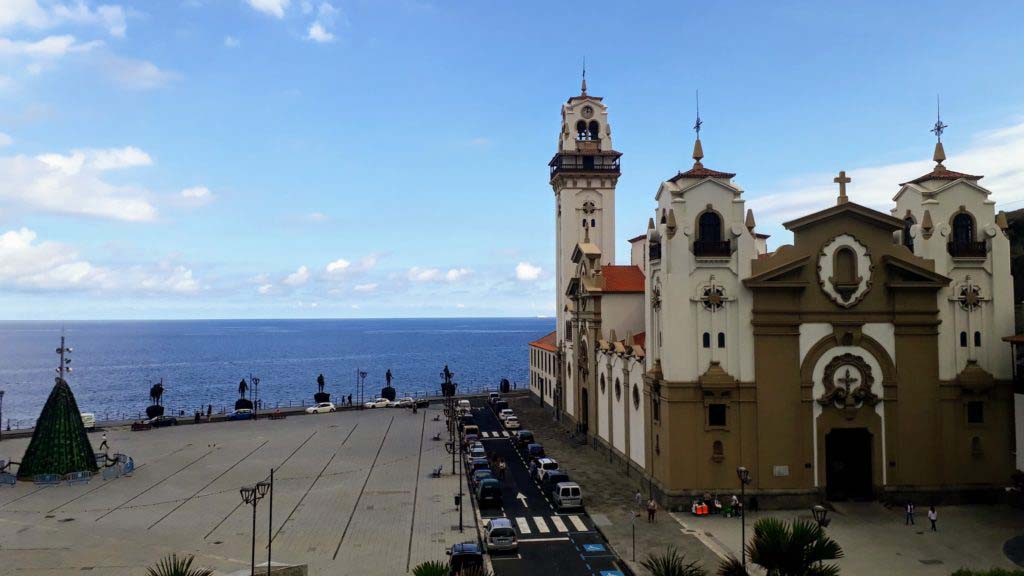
(608,495)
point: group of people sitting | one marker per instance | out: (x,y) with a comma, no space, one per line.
(712,504)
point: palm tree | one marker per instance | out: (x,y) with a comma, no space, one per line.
(671,563)
(173,566)
(783,549)
(431,568)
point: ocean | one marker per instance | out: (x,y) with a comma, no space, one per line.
(201,361)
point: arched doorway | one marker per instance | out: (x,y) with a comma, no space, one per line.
(848,471)
(584,410)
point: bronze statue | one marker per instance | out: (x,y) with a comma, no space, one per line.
(242,388)
(156,392)
(320,383)
(447,374)
(387,377)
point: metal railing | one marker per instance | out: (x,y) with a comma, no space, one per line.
(970,249)
(713,248)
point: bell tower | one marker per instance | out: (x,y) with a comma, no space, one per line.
(584,173)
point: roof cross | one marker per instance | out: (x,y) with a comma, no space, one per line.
(939,127)
(842,180)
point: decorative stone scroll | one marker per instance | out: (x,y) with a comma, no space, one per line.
(847,380)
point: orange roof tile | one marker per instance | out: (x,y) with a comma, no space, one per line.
(640,339)
(548,342)
(622,279)
(942,174)
(638,238)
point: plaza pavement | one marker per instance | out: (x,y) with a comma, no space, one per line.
(352,495)
(873,537)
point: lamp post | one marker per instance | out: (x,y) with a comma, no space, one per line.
(252,495)
(1,414)
(255,392)
(820,514)
(270,522)
(744,475)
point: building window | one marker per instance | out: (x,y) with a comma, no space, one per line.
(707,340)
(709,227)
(844,266)
(975,412)
(602,383)
(636,397)
(618,390)
(716,415)
(907,240)
(963,229)
(963,339)
(721,339)
(593,223)
(595,130)
(977,339)
(581,130)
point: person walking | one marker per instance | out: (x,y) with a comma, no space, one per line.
(933,516)
(103,445)
(501,469)
(652,507)
(909,519)
(638,499)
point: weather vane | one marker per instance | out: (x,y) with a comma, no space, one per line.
(583,85)
(939,126)
(699,122)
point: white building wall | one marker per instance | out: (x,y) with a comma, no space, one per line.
(637,426)
(622,313)
(603,392)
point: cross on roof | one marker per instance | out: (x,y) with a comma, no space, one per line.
(842,180)
(939,127)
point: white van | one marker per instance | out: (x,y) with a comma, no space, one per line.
(464,407)
(88,420)
(567,495)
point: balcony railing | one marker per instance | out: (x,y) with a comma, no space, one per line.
(967,249)
(712,248)
(584,163)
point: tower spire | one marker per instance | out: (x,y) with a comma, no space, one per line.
(698,150)
(583,85)
(940,153)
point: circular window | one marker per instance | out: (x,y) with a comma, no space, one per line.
(618,390)
(602,383)
(636,397)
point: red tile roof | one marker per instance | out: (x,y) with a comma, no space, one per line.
(640,339)
(940,173)
(699,171)
(548,342)
(638,238)
(622,279)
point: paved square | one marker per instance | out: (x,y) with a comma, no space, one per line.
(353,492)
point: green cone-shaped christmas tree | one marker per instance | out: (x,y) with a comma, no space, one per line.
(59,444)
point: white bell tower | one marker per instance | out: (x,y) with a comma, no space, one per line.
(584,173)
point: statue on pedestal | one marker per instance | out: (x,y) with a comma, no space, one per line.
(321,396)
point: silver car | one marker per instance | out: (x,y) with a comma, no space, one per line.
(500,536)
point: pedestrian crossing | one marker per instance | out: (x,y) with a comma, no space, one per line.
(501,434)
(541,525)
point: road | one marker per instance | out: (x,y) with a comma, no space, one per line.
(549,542)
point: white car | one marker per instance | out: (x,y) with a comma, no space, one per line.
(402,403)
(378,403)
(505,413)
(88,420)
(321,408)
(512,423)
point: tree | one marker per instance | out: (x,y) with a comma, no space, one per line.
(173,566)
(59,443)
(671,563)
(784,549)
(431,568)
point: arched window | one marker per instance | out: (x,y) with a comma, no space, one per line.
(721,339)
(963,339)
(963,229)
(595,130)
(977,339)
(593,222)
(907,240)
(602,383)
(844,266)
(707,340)
(581,130)
(618,390)
(710,227)
(636,397)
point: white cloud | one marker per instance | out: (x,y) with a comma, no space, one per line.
(456,274)
(265,288)
(418,274)
(365,288)
(23,13)
(110,17)
(317,217)
(275,8)
(28,264)
(197,196)
(138,74)
(995,154)
(339,265)
(5,140)
(50,47)
(527,272)
(298,278)
(317,33)
(321,30)
(75,184)
(231,42)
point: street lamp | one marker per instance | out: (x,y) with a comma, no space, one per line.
(256,393)
(821,515)
(744,475)
(1,414)
(252,495)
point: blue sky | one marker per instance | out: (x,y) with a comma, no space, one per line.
(282,158)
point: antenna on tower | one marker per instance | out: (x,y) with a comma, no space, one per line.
(583,86)
(699,122)
(698,150)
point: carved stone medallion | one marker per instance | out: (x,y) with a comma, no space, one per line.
(847,380)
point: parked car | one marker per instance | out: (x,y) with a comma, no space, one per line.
(478,463)
(493,397)
(499,535)
(465,558)
(464,407)
(505,413)
(378,403)
(523,439)
(162,421)
(88,420)
(541,465)
(567,495)
(402,403)
(470,439)
(512,423)
(467,420)
(241,414)
(488,493)
(321,408)
(499,405)
(477,451)
(534,450)
(471,430)
(552,478)
(479,475)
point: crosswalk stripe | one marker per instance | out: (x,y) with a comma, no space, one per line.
(579,524)
(524,527)
(486,434)
(542,526)
(559,525)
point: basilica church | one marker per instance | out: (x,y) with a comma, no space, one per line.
(864,360)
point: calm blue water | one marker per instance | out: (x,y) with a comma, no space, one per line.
(201,362)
